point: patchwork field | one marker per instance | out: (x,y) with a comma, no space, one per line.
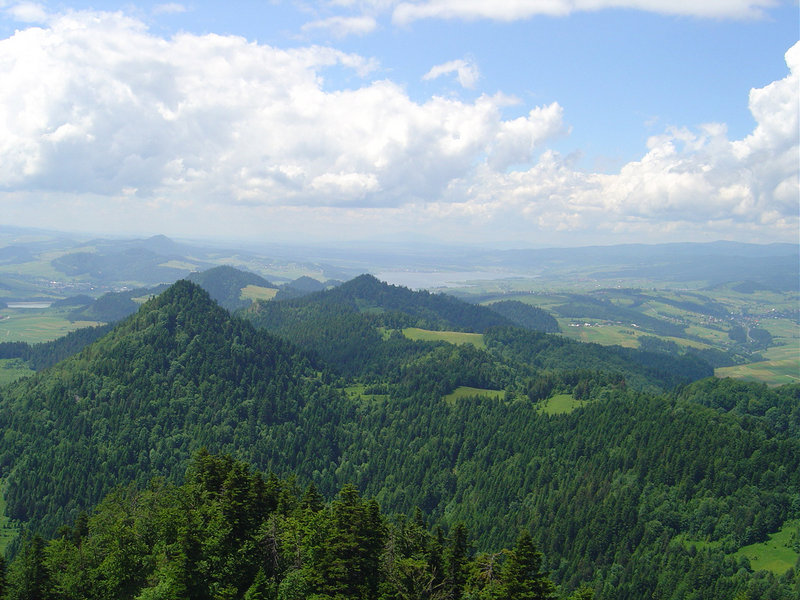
(783,367)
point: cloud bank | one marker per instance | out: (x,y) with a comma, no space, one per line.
(102,118)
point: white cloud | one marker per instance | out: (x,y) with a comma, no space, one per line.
(102,119)
(343,26)
(512,10)
(467,72)
(169,8)
(700,181)
(28,12)
(96,104)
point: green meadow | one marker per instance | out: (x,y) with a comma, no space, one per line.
(12,369)
(470,392)
(778,553)
(560,404)
(34,325)
(256,292)
(8,529)
(452,337)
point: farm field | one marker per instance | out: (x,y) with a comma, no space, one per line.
(782,367)
(36,325)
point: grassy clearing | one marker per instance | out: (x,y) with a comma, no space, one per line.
(180,264)
(32,326)
(358,392)
(12,369)
(452,337)
(771,372)
(8,529)
(776,554)
(560,404)
(607,335)
(256,292)
(470,392)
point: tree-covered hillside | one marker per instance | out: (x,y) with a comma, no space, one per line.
(641,492)
(229,532)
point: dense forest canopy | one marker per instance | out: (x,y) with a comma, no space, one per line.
(648,489)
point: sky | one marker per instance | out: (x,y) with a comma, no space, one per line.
(510,123)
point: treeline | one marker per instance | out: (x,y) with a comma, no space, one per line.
(46,354)
(647,371)
(526,316)
(231,532)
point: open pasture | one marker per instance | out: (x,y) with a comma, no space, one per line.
(776,554)
(560,404)
(452,337)
(256,292)
(33,325)
(470,392)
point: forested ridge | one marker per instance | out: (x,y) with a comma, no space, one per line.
(230,532)
(613,493)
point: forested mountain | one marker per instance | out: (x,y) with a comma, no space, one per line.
(46,354)
(225,285)
(635,494)
(343,326)
(229,532)
(526,316)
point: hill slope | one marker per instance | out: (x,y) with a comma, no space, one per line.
(179,374)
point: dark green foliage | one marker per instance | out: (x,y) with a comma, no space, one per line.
(133,264)
(108,419)
(738,334)
(46,354)
(29,577)
(590,307)
(523,575)
(526,316)
(608,492)
(224,284)
(423,309)
(760,337)
(219,536)
(114,306)
(651,371)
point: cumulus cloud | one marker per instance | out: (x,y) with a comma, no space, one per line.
(699,181)
(96,104)
(169,8)
(28,12)
(102,118)
(512,10)
(467,72)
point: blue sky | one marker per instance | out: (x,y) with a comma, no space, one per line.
(517,122)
